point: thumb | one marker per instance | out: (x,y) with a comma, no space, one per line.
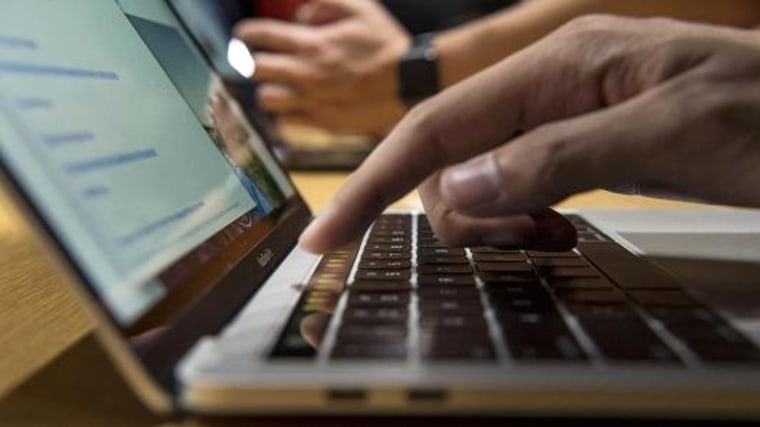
(609,148)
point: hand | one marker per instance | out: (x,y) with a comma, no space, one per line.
(336,70)
(602,102)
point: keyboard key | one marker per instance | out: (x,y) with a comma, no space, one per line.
(625,338)
(490,250)
(450,306)
(444,269)
(383,274)
(566,272)
(715,341)
(508,304)
(493,257)
(388,247)
(441,259)
(497,278)
(378,299)
(449,280)
(584,296)
(382,255)
(664,298)
(441,346)
(462,323)
(559,262)
(580,283)
(380,315)
(384,264)
(382,351)
(447,292)
(380,286)
(389,240)
(542,254)
(539,336)
(441,252)
(390,232)
(504,267)
(385,334)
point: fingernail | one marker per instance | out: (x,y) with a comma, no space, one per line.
(309,237)
(472,183)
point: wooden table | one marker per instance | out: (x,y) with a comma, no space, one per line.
(51,370)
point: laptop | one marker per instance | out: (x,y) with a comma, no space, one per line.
(176,227)
(303,148)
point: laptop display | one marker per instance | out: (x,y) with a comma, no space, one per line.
(156,187)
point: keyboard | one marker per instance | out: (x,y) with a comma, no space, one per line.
(403,295)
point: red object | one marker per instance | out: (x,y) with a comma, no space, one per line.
(278,9)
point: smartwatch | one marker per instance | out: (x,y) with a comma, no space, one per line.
(418,71)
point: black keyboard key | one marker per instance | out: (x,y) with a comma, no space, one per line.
(382,255)
(625,338)
(385,334)
(380,286)
(627,270)
(517,289)
(450,306)
(580,283)
(431,322)
(714,341)
(388,247)
(492,257)
(490,250)
(384,264)
(593,296)
(539,336)
(380,351)
(504,267)
(441,259)
(506,304)
(442,346)
(498,278)
(375,315)
(447,292)
(440,252)
(542,254)
(393,275)
(378,299)
(663,298)
(446,280)
(567,272)
(559,262)
(444,269)
(389,240)
(390,232)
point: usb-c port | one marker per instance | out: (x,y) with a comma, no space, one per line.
(347,395)
(427,395)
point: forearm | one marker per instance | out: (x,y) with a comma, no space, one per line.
(466,50)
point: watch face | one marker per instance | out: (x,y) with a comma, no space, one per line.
(418,74)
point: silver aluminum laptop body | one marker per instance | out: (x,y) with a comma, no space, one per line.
(105,153)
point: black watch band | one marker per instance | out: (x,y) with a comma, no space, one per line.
(418,71)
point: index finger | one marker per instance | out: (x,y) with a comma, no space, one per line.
(277,36)
(484,111)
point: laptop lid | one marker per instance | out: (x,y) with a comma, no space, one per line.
(164,205)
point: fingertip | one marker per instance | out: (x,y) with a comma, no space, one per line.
(553,233)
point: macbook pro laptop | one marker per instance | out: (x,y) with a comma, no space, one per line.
(177,229)
(210,24)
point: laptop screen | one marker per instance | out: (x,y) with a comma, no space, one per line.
(132,152)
